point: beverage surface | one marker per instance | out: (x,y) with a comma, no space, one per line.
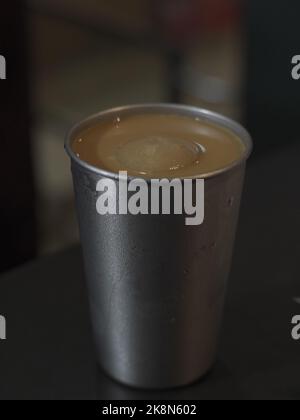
(158,146)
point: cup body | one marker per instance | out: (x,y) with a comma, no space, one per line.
(157,286)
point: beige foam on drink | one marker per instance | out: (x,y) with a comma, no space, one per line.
(158,146)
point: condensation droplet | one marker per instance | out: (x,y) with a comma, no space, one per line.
(117,121)
(230,201)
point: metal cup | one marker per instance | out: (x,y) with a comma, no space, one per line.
(156,286)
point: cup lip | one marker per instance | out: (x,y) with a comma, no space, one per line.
(170,108)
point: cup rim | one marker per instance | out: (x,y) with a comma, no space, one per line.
(180,109)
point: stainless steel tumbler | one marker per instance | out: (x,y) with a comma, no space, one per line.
(156,286)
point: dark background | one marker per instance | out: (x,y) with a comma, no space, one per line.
(67,59)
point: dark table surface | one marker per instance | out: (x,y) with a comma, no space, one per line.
(49,351)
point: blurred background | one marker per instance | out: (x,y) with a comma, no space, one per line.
(68,59)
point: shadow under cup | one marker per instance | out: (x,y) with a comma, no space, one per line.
(157,286)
